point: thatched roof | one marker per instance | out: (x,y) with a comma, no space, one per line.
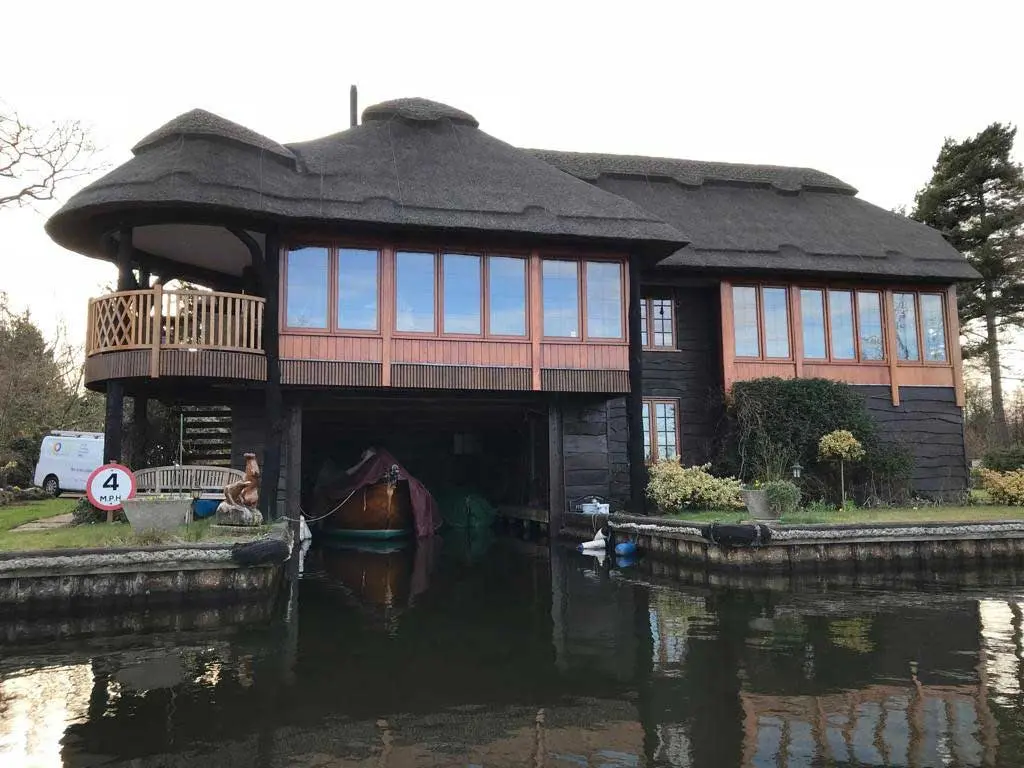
(770,218)
(411,163)
(418,165)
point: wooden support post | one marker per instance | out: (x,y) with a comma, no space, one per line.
(634,401)
(140,431)
(125,252)
(293,469)
(556,474)
(113,422)
(271,348)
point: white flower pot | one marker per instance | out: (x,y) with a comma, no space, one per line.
(157,514)
(757,504)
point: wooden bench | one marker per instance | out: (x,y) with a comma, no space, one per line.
(206,482)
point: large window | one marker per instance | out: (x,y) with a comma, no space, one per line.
(657,324)
(604,299)
(812,317)
(462,294)
(840,325)
(414,291)
(760,321)
(307,288)
(905,309)
(661,429)
(357,289)
(840,311)
(920,327)
(870,337)
(776,322)
(933,327)
(560,289)
(506,290)
(342,289)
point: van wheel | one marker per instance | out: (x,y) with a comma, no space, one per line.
(51,486)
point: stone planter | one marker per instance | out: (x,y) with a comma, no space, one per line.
(157,514)
(757,504)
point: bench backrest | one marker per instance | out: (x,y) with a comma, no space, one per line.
(185,478)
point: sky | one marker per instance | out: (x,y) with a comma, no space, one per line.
(863,90)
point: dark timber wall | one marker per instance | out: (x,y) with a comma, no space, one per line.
(585,447)
(929,422)
(248,434)
(691,374)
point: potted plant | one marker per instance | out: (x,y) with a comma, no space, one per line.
(755,498)
(158,512)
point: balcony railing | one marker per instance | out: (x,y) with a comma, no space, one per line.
(156,319)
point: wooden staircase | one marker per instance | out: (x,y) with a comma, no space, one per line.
(206,434)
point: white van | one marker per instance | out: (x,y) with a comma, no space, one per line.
(66,459)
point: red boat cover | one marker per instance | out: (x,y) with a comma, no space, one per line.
(424,509)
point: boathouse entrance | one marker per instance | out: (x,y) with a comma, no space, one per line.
(493,446)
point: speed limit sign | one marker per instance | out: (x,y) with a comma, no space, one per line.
(109,485)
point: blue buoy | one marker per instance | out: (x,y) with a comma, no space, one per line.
(625,562)
(625,548)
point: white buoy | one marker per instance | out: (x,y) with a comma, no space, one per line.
(598,542)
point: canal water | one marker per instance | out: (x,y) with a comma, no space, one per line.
(499,653)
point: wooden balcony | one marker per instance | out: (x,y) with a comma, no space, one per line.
(155,332)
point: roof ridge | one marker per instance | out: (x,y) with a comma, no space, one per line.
(593,165)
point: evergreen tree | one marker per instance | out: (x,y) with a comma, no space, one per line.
(976,199)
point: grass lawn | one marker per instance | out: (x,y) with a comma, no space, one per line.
(931,514)
(87,536)
(14,515)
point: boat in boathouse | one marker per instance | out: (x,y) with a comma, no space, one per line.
(374,499)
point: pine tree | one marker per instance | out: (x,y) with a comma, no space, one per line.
(976,199)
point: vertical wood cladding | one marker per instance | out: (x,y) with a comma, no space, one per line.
(693,373)
(930,423)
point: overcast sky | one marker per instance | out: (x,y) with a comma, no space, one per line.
(863,90)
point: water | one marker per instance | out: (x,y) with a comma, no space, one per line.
(496,654)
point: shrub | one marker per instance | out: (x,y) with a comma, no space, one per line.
(85,513)
(783,496)
(773,423)
(675,488)
(1005,459)
(1004,487)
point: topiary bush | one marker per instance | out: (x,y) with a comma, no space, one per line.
(783,496)
(773,423)
(1004,487)
(675,488)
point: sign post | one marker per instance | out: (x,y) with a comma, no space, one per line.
(108,486)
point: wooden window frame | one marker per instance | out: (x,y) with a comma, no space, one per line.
(486,304)
(328,328)
(652,431)
(948,358)
(759,312)
(387,291)
(648,326)
(335,280)
(581,299)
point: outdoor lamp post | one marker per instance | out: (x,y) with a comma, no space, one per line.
(797,469)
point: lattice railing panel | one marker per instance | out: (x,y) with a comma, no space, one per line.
(159,319)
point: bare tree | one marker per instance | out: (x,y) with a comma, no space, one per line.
(34,160)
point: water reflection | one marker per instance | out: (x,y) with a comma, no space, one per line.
(497,653)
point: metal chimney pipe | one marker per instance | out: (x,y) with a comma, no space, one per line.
(353,107)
